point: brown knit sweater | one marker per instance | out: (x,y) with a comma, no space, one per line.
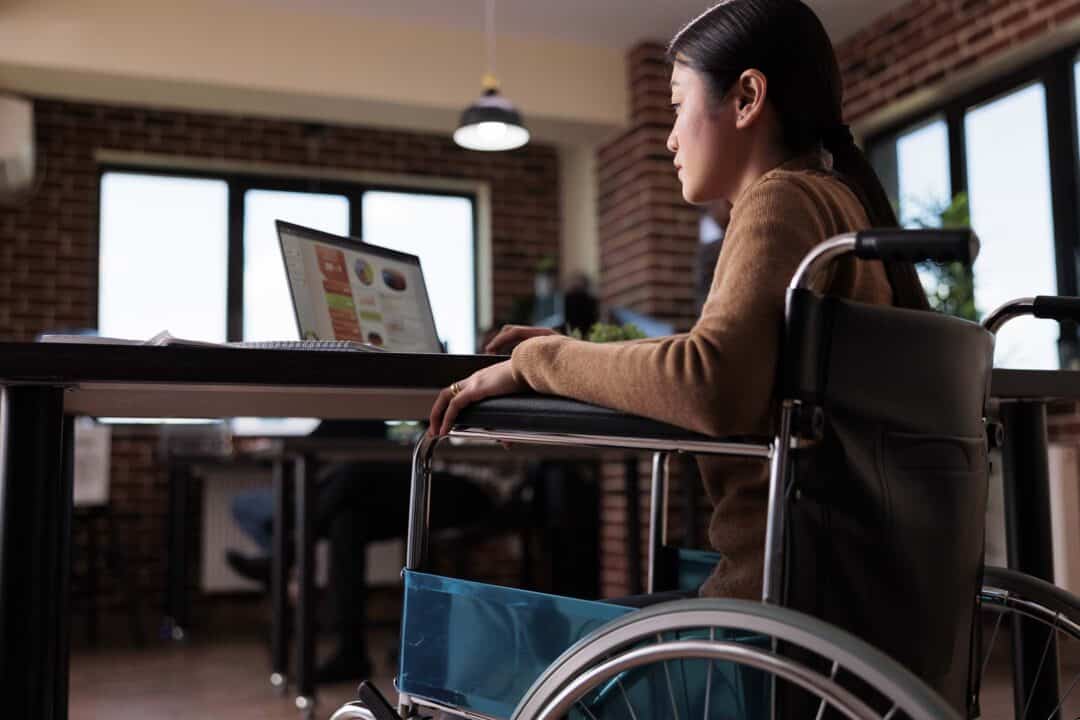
(719,378)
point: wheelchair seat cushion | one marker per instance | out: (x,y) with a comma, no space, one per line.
(548,414)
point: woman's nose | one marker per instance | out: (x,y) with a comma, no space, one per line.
(672,142)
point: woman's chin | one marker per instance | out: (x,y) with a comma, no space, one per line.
(693,195)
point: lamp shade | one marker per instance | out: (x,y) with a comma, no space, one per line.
(492,123)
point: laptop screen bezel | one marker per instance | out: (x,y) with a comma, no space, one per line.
(355,244)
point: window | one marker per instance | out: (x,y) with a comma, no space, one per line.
(163,256)
(914,167)
(1008,170)
(1011,148)
(439,230)
(198,255)
(268,311)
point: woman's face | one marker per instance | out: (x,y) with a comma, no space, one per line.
(701,137)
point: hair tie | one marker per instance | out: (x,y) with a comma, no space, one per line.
(838,136)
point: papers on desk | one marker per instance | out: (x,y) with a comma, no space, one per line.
(165,339)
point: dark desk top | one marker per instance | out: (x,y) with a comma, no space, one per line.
(137,381)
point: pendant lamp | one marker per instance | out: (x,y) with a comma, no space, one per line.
(492,123)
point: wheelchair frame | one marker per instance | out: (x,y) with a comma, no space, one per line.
(777,452)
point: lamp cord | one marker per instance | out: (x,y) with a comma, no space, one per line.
(490,23)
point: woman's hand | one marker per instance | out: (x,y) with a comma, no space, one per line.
(494,380)
(510,336)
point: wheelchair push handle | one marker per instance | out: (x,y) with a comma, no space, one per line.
(1061,308)
(889,244)
(1056,307)
(917,245)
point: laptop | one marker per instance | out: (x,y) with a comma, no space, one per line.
(348,293)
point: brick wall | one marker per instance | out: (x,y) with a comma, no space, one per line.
(49,251)
(648,234)
(926,42)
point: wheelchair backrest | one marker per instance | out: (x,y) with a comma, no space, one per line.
(886,520)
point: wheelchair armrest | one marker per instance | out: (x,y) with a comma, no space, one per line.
(551,414)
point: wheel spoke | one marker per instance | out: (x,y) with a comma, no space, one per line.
(1050,634)
(1064,697)
(708,677)
(626,699)
(585,707)
(892,713)
(667,676)
(990,650)
(822,705)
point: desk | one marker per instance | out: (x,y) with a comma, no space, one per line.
(43,386)
(1021,397)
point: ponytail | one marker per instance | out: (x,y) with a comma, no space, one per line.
(850,163)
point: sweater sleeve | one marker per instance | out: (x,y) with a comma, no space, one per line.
(718,379)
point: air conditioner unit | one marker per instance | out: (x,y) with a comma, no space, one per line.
(16,145)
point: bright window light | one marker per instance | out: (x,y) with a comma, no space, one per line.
(439,229)
(163,253)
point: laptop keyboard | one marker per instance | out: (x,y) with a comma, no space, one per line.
(328,345)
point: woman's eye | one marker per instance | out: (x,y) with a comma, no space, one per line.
(675,108)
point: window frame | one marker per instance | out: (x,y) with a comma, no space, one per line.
(1055,72)
(239,183)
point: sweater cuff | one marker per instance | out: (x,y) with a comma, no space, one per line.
(530,357)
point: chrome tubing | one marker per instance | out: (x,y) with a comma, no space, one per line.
(773,581)
(419,502)
(1010,310)
(354,710)
(819,258)
(657,515)
(838,697)
(704,447)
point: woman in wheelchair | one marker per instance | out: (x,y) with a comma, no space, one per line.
(839,428)
(758,122)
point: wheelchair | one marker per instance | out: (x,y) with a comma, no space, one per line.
(874,588)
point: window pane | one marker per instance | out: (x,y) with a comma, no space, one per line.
(1009,187)
(163,252)
(914,169)
(925,190)
(268,310)
(439,229)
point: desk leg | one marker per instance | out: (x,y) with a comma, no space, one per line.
(35,507)
(632,488)
(67,496)
(305,575)
(174,625)
(279,583)
(1030,549)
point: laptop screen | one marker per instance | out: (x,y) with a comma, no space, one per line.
(345,289)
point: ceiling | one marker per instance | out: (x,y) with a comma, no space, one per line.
(607,23)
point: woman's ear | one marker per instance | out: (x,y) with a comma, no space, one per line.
(750,91)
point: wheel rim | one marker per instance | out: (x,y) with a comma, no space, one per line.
(1008,598)
(828,646)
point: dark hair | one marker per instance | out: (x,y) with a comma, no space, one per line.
(786,41)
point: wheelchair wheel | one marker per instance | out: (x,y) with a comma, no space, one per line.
(714,659)
(1050,618)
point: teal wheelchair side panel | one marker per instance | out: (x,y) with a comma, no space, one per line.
(480,647)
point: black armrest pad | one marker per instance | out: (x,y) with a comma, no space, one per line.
(551,414)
